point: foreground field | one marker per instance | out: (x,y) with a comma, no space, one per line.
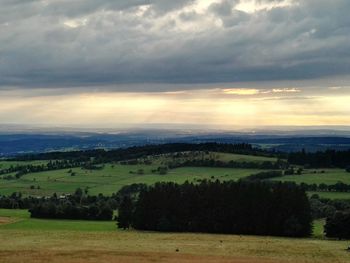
(37,241)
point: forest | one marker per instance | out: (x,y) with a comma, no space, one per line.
(253,208)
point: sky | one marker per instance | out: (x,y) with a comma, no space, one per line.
(215,63)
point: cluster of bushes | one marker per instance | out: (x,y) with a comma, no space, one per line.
(337,214)
(162,170)
(325,207)
(338,225)
(258,208)
(17,201)
(131,191)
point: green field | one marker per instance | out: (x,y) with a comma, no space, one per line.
(35,240)
(331,195)
(24,222)
(318,228)
(329,176)
(319,176)
(112,177)
(225,157)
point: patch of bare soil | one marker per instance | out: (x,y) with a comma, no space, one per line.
(6,220)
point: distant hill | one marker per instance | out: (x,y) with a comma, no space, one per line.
(35,142)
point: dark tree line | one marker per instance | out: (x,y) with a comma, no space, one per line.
(329,158)
(17,201)
(21,170)
(337,187)
(256,208)
(76,206)
(68,210)
(79,205)
(264,175)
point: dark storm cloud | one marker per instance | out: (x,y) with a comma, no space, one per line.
(61,43)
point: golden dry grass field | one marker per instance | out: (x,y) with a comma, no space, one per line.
(25,240)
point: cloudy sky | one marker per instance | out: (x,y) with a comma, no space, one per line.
(220,63)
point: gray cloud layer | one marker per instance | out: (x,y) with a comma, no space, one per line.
(57,43)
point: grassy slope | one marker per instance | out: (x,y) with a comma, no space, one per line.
(331,195)
(330,176)
(31,240)
(112,177)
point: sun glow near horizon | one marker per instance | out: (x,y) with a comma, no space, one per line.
(209,107)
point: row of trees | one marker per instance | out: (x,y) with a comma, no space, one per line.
(79,205)
(21,170)
(264,175)
(17,201)
(337,187)
(258,208)
(329,158)
(230,164)
(133,153)
(67,210)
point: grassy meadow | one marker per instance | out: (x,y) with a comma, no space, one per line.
(319,176)
(40,240)
(112,177)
